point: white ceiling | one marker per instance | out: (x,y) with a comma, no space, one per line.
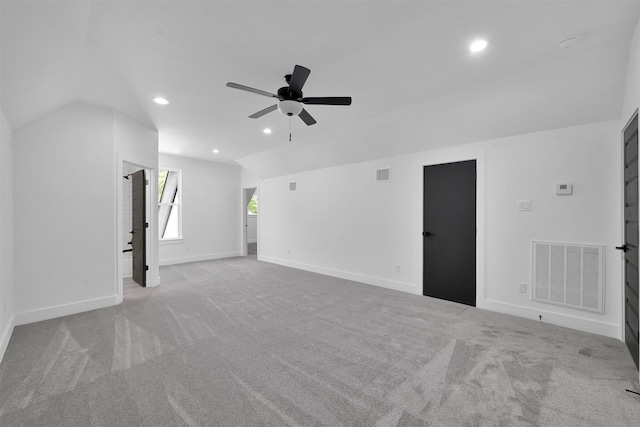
(407,66)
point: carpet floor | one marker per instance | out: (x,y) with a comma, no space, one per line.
(238,342)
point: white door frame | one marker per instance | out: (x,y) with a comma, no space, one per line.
(623,307)
(247,193)
(152,276)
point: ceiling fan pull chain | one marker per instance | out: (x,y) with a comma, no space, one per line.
(289,128)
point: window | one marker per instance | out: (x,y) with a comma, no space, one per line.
(252,206)
(169,204)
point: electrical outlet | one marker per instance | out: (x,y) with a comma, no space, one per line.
(522,287)
(288,251)
(398,268)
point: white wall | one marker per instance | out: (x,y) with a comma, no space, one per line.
(528,167)
(65,216)
(341,222)
(211,216)
(632,88)
(252,228)
(248,179)
(67,186)
(6,235)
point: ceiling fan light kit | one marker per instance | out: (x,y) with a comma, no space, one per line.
(290,97)
(290,108)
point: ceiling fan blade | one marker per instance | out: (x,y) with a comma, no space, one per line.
(298,78)
(263,112)
(306,117)
(328,100)
(250,89)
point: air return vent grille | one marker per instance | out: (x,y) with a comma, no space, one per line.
(292,186)
(569,274)
(383,174)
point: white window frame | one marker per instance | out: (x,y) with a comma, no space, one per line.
(177,202)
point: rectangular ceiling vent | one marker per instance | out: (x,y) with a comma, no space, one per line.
(383,175)
(569,274)
(292,186)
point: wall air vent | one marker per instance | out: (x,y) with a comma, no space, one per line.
(383,174)
(568,274)
(292,186)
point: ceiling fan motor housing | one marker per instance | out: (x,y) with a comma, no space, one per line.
(289,107)
(286,93)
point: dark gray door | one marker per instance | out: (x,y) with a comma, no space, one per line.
(630,246)
(139,225)
(450,232)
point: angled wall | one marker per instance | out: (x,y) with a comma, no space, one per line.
(65,224)
(64,213)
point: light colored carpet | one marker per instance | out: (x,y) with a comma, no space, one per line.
(252,248)
(238,342)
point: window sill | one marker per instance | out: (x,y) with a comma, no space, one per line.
(171,241)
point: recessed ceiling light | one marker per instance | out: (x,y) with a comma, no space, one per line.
(478,45)
(160,100)
(216,151)
(267,131)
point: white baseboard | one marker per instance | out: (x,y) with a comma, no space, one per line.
(196,258)
(64,310)
(6,336)
(579,323)
(369,280)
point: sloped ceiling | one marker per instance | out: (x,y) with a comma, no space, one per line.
(407,66)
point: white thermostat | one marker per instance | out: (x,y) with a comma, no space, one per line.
(564,189)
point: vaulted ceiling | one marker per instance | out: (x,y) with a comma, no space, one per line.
(414,83)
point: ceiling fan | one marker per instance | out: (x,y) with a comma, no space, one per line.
(290,97)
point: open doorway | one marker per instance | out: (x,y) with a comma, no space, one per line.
(250,217)
(134,229)
(126,165)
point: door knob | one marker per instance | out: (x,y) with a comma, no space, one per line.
(622,248)
(427,233)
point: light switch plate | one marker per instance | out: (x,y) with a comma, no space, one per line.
(524,205)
